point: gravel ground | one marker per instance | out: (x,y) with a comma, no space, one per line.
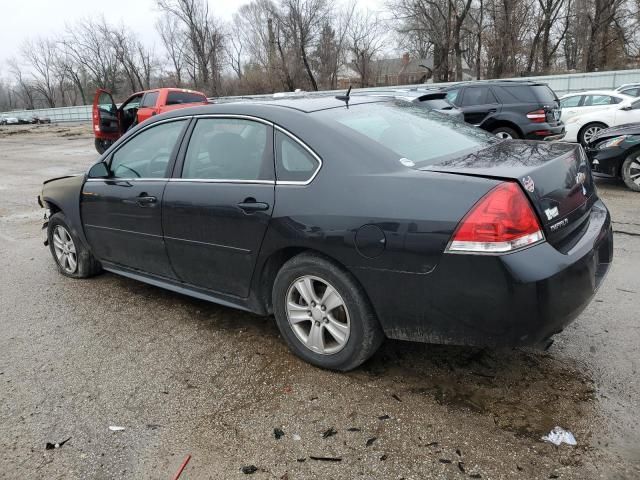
(186,377)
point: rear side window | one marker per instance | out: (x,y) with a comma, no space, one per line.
(477,96)
(229,149)
(526,94)
(149,100)
(453,95)
(570,101)
(598,100)
(177,98)
(294,163)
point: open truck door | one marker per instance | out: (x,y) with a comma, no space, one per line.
(106,120)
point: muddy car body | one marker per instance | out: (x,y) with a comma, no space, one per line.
(406,224)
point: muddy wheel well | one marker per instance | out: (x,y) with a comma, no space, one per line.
(53,207)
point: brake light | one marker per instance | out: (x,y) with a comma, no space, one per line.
(537,116)
(501,221)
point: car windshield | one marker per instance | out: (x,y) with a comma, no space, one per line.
(422,136)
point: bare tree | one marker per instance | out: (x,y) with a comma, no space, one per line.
(40,56)
(173,41)
(365,39)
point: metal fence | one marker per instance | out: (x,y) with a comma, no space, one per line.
(561,84)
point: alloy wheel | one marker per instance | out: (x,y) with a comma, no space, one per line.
(318,315)
(589,133)
(634,171)
(504,135)
(65,249)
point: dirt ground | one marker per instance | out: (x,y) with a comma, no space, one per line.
(183,376)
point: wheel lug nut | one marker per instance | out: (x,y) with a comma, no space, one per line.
(309,312)
(323,308)
(325,320)
(313,304)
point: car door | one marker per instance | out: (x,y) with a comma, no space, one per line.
(106,122)
(217,207)
(121,212)
(627,113)
(477,103)
(571,106)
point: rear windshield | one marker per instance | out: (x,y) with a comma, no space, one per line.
(416,135)
(176,98)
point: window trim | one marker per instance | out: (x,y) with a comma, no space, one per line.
(108,160)
(308,149)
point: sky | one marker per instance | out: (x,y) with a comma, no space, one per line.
(23,19)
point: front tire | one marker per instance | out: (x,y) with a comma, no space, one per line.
(71,256)
(324,315)
(631,171)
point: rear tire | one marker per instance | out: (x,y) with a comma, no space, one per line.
(324,315)
(586,133)
(102,145)
(505,133)
(631,171)
(71,256)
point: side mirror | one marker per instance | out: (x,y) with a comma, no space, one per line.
(625,107)
(99,170)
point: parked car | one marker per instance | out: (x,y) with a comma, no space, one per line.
(10,121)
(24,120)
(583,128)
(348,221)
(615,152)
(110,122)
(41,119)
(574,104)
(631,89)
(509,109)
(430,98)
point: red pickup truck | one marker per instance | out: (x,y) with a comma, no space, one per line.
(110,122)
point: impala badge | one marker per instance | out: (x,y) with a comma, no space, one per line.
(527,183)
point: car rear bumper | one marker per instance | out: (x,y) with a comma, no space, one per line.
(508,300)
(543,131)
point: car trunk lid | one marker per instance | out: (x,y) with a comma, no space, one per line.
(555,177)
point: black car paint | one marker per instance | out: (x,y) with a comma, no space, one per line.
(361,197)
(507,113)
(608,161)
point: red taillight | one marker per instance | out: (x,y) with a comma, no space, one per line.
(502,221)
(537,116)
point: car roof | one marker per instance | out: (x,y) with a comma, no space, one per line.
(627,85)
(308,104)
(527,83)
(597,92)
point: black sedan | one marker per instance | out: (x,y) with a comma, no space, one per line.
(615,152)
(348,220)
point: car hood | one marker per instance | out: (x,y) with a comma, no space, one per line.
(628,129)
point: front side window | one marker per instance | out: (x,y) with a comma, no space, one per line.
(229,149)
(409,131)
(293,162)
(452,95)
(147,154)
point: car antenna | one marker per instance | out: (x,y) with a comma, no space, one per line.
(345,98)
